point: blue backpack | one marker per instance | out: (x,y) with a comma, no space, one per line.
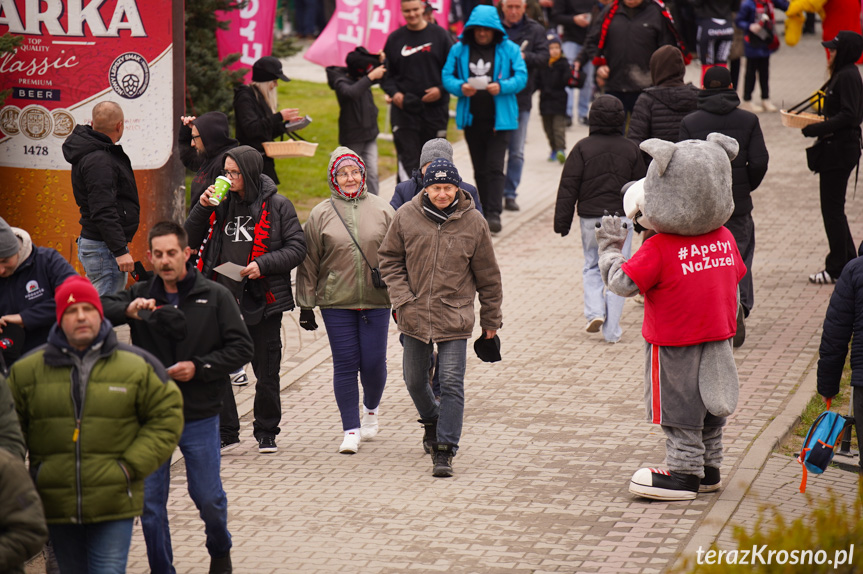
(821,443)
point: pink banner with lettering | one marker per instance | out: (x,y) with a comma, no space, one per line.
(250,33)
(364,23)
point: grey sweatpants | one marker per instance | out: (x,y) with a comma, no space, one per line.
(689,451)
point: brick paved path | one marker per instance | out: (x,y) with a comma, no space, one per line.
(552,434)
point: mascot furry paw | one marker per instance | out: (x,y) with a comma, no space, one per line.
(688,273)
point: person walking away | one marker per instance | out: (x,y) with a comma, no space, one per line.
(718,112)
(842,322)
(104,187)
(485,70)
(257,228)
(432,288)
(553,78)
(343,234)
(839,143)
(29,276)
(593,175)
(715,21)
(257,116)
(358,114)
(415,55)
(529,35)
(99,416)
(760,40)
(193,325)
(575,17)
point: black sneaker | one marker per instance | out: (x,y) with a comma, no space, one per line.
(658,484)
(510,204)
(711,481)
(442,454)
(493,220)
(229,444)
(267,445)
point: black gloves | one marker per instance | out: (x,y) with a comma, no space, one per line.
(307,319)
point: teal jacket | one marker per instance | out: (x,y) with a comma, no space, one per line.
(95,425)
(510,71)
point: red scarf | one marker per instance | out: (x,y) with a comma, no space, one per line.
(599,60)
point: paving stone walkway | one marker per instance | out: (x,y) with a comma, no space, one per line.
(552,433)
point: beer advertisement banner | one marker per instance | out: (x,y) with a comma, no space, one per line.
(75,54)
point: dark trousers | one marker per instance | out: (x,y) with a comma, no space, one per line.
(743,229)
(487,152)
(858,419)
(267,338)
(410,133)
(555,131)
(760,66)
(833,186)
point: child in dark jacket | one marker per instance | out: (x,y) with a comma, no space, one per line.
(552,80)
(595,171)
(756,20)
(844,320)
(358,114)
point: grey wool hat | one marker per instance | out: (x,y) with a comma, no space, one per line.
(9,244)
(435,149)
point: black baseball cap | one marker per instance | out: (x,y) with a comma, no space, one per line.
(267,69)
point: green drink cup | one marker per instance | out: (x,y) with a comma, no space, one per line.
(220,190)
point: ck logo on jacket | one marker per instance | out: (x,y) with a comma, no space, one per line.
(240,229)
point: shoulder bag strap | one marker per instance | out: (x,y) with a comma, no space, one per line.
(333,203)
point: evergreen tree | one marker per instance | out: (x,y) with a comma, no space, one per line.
(8,43)
(209,82)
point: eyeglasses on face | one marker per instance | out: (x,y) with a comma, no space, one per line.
(232,174)
(354,174)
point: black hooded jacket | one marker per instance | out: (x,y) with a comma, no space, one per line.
(598,167)
(660,109)
(358,114)
(282,243)
(531,34)
(215,135)
(718,112)
(843,103)
(256,123)
(104,187)
(218,344)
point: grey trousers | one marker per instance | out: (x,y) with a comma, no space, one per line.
(689,451)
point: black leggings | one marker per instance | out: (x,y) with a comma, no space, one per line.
(833,188)
(762,67)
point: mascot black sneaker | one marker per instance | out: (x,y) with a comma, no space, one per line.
(711,481)
(658,484)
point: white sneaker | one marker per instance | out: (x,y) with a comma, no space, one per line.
(369,425)
(239,378)
(594,325)
(753,107)
(351,444)
(768,106)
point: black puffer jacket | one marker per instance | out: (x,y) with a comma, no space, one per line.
(552,87)
(660,109)
(284,246)
(535,54)
(844,318)
(598,167)
(358,114)
(718,112)
(104,187)
(215,135)
(218,341)
(257,123)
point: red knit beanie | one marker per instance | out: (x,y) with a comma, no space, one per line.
(76,289)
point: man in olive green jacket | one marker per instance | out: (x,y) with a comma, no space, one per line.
(97,417)
(435,258)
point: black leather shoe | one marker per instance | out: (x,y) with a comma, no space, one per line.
(221,565)
(510,204)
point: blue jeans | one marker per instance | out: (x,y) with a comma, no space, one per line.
(96,548)
(452,358)
(598,302)
(515,157)
(199,444)
(585,94)
(358,340)
(100,265)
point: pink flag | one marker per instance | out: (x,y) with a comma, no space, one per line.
(250,33)
(364,23)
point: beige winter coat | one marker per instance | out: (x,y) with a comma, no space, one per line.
(433,272)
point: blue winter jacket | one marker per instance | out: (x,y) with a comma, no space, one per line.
(406,190)
(753,46)
(510,71)
(844,319)
(30,292)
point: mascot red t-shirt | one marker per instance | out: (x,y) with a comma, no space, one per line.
(689,286)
